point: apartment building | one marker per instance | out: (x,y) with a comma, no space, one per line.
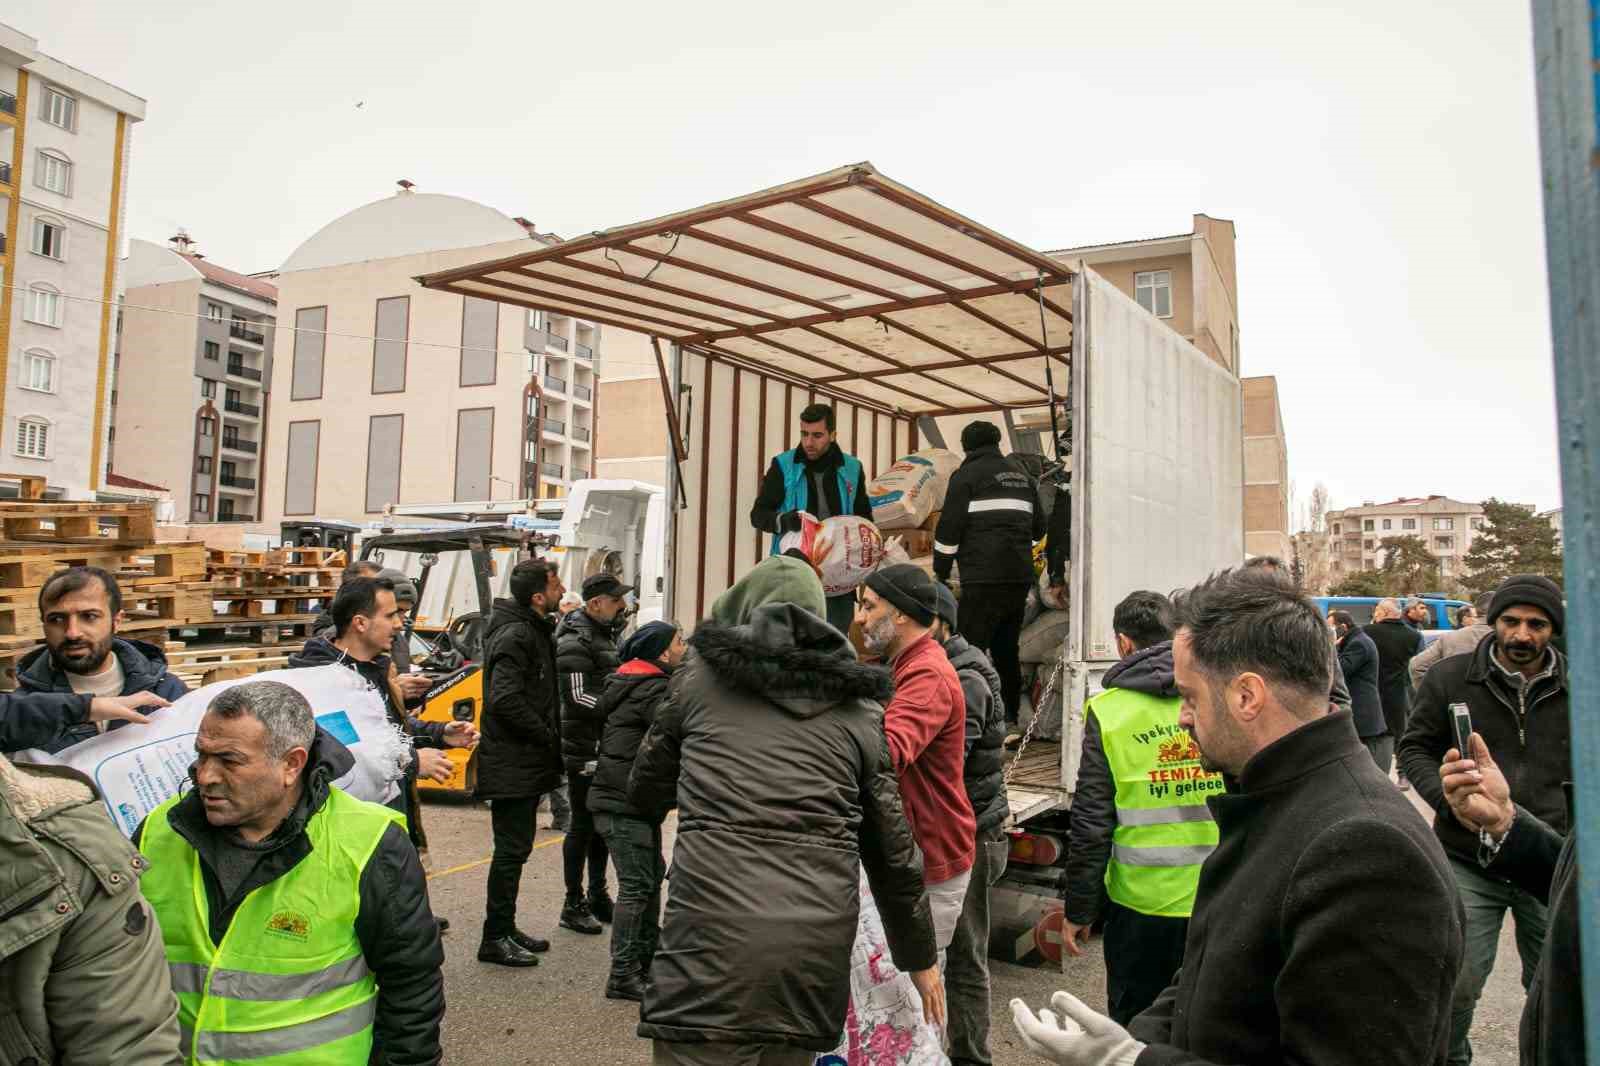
(193,376)
(565,357)
(65,146)
(1448,527)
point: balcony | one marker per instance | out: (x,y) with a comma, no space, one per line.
(555,384)
(583,351)
(552,470)
(234,481)
(579,473)
(8,103)
(558,343)
(239,370)
(554,428)
(238,445)
(580,433)
(239,407)
(582,392)
(236,516)
(243,332)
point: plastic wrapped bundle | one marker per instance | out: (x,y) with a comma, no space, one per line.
(913,488)
(844,550)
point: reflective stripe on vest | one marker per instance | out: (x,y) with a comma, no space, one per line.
(977,506)
(794,486)
(1164,829)
(289,982)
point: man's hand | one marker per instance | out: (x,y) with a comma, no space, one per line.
(930,986)
(124,708)
(460,735)
(1476,790)
(414,685)
(1074,938)
(435,765)
(1078,1037)
(789,522)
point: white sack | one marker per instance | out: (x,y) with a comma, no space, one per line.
(1041,641)
(845,549)
(913,488)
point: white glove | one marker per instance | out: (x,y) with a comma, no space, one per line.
(1079,1037)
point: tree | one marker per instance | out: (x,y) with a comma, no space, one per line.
(1361,583)
(1408,566)
(1317,508)
(1514,540)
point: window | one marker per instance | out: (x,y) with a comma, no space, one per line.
(202,503)
(1369,565)
(1366,525)
(49,238)
(1153,290)
(1444,543)
(234,397)
(214,312)
(1444,523)
(300,468)
(1388,523)
(1369,544)
(33,438)
(1477,523)
(229,471)
(205,464)
(38,371)
(1408,523)
(385,437)
(230,436)
(43,305)
(208,389)
(208,426)
(310,342)
(389,346)
(59,109)
(224,507)
(480,333)
(213,351)
(1336,529)
(55,172)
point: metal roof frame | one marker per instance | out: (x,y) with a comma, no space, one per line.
(847,283)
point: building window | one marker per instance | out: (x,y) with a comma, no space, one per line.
(43,305)
(49,239)
(205,464)
(1369,565)
(1153,290)
(1336,529)
(208,426)
(55,172)
(1477,523)
(33,438)
(59,109)
(1388,523)
(213,350)
(1408,523)
(214,312)
(38,371)
(1444,543)
(1444,523)
(230,436)
(202,503)
(1366,525)
(1369,544)
(208,389)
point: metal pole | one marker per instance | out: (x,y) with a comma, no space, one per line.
(1566,36)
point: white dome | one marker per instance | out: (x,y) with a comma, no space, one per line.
(405,224)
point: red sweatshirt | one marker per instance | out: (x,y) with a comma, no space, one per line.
(926,725)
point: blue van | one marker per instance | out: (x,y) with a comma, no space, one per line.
(1442,612)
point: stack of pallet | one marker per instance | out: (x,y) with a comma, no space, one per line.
(285,585)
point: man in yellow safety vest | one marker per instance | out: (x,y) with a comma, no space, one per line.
(295,917)
(1140,824)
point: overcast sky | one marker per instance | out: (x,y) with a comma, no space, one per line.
(1380,161)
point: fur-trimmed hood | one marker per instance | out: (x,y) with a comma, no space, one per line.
(791,658)
(33,790)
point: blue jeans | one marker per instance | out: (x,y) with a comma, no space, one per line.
(635,847)
(1486,900)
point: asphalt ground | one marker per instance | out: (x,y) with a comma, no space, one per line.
(556,1013)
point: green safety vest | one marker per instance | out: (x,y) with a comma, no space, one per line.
(1164,828)
(288,983)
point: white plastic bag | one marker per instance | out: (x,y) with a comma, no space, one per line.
(1042,639)
(844,549)
(912,489)
(136,768)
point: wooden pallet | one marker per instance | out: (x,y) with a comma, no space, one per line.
(20,621)
(318,557)
(78,523)
(269,630)
(1039,767)
(30,566)
(201,665)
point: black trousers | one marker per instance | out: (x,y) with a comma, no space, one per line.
(584,845)
(512,821)
(1143,953)
(990,617)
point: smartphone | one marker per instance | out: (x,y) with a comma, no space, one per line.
(1461,718)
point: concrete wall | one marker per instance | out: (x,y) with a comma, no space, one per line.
(1266,470)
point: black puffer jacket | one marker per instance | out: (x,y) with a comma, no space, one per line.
(1396,643)
(38,719)
(627,709)
(144,669)
(519,754)
(586,655)
(772,742)
(984,769)
(398,933)
(1358,662)
(991,518)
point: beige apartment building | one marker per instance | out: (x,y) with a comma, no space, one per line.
(1448,527)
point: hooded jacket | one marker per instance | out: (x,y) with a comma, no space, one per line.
(983,771)
(83,976)
(1358,662)
(586,654)
(398,933)
(627,710)
(37,720)
(1396,643)
(519,754)
(991,518)
(771,742)
(144,669)
(1094,802)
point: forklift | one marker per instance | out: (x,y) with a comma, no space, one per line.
(446,631)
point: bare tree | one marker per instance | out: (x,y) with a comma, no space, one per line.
(1318,507)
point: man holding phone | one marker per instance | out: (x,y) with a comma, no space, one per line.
(1511,691)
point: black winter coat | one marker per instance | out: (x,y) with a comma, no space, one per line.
(38,719)
(627,711)
(586,655)
(769,500)
(519,753)
(983,772)
(1358,661)
(991,518)
(1396,643)
(1529,733)
(1327,927)
(398,933)
(144,669)
(771,741)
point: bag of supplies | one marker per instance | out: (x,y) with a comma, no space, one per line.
(908,492)
(844,550)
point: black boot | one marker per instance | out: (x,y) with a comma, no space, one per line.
(505,951)
(600,904)
(575,916)
(626,986)
(530,943)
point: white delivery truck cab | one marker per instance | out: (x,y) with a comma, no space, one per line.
(619,526)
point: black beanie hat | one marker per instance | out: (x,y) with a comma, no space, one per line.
(909,588)
(948,608)
(1535,590)
(976,434)
(649,642)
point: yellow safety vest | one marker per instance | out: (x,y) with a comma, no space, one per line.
(288,983)
(1164,828)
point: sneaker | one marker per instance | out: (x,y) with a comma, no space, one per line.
(530,943)
(600,904)
(505,951)
(575,916)
(629,987)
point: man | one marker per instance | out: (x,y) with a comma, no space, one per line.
(983,776)
(295,916)
(413,684)
(1515,688)
(633,835)
(586,655)
(1358,661)
(991,519)
(82,974)
(777,818)
(926,726)
(1419,615)
(1138,839)
(1517,845)
(1326,928)
(324,627)
(1397,644)
(1338,691)
(816,478)
(1458,641)
(520,757)
(81,608)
